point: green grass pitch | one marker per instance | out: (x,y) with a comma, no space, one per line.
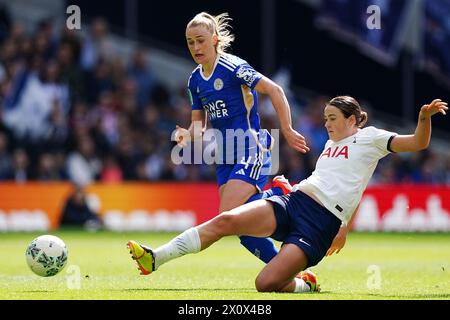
(411,266)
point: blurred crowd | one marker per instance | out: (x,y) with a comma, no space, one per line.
(73,110)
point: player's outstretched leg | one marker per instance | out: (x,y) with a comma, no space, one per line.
(264,248)
(149,260)
(256,219)
(143,256)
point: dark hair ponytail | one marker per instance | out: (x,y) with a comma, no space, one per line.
(350,106)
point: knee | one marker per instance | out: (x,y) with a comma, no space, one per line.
(267,284)
(224,223)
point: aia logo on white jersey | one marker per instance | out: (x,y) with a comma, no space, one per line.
(336,152)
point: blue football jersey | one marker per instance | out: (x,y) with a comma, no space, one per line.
(227,95)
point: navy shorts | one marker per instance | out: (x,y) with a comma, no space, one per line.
(305,223)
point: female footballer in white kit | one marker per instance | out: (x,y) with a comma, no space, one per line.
(312,219)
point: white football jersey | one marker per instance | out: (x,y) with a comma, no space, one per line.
(344,168)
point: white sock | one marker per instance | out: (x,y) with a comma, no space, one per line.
(187,242)
(301,286)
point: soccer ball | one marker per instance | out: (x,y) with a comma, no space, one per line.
(46,255)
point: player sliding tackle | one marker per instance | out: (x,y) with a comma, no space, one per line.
(312,219)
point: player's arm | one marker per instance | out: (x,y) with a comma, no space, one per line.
(195,131)
(339,240)
(421,137)
(281,105)
(197,124)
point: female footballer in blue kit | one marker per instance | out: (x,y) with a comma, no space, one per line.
(313,219)
(224,86)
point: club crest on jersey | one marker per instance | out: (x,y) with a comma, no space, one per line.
(218,84)
(336,152)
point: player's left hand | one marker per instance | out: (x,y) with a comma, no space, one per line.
(338,242)
(434,107)
(296,140)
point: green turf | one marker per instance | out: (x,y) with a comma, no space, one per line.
(412,266)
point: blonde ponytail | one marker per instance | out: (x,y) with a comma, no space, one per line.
(218,25)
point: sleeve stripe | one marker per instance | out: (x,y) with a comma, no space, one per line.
(227,62)
(389,143)
(226,66)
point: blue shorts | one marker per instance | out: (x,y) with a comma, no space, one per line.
(305,223)
(255,173)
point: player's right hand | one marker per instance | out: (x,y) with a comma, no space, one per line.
(182,136)
(296,140)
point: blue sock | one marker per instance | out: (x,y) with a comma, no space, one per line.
(263,248)
(266,194)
